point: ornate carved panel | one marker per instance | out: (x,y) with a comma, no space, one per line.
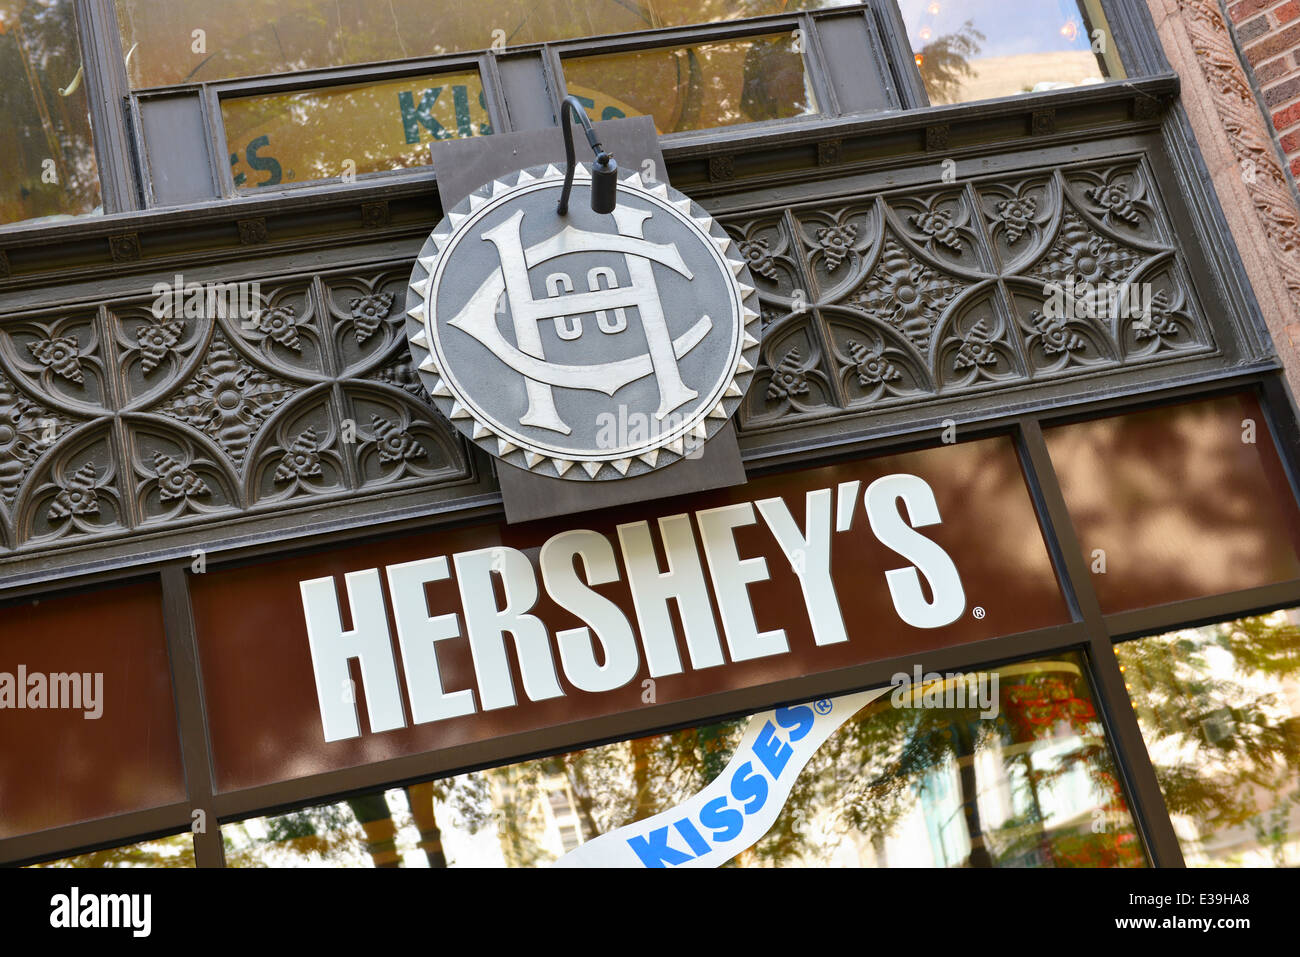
(136,416)
(999,282)
(123,421)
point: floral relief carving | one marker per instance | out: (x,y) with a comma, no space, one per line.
(76,495)
(975,348)
(1016,215)
(870,302)
(1118,197)
(302,460)
(175,481)
(836,243)
(769,252)
(1247,136)
(906,294)
(938,225)
(368,312)
(1055,335)
(758,257)
(1115,200)
(871,365)
(228,399)
(1086,255)
(788,379)
(1158,321)
(60,356)
(157,340)
(72,492)
(281,324)
(397,437)
(395,444)
(27,429)
(402,375)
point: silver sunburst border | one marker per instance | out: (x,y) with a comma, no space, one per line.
(539,460)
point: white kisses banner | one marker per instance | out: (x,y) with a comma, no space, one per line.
(740,805)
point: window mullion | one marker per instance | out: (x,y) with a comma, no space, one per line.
(106,93)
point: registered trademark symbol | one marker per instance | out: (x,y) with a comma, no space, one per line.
(979,611)
(823,706)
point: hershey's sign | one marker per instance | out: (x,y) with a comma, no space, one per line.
(501,592)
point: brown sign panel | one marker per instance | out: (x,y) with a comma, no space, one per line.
(1178,502)
(87,723)
(467,634)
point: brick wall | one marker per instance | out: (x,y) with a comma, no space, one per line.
(1269,34)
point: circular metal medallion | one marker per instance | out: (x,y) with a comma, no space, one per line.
(585,346)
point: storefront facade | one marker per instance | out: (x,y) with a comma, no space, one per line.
(1018,447)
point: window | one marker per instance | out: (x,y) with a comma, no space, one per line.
(276,139)
(373,84)
(48,169)
(1219,708)
(1004,767)
(174,851)
(722,83)
(979,49)
(187,41)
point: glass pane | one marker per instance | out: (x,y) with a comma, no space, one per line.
(1180,502)
(174,851)
(1219,708)
(48,169)
(401,827)
(697,87)
(183,41)
(980,49)
(284,138)
(1016,773)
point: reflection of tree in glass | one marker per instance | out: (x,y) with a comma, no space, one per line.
(873,772)
(775,84)
(944,62)
(44,130)
(613,785)
(1226,749)
(253,37)
(864,780)
(346,833)
(174,851)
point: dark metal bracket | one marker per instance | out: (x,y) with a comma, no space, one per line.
(604,172)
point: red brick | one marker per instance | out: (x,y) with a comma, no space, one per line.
(1287,12)
(1280,42)
(1274,69)
(1246,8)
(1252,30)
(1284,119)
(1291,143)
(1295,167)
(1282,93)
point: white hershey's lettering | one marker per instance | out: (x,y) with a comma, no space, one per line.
(896,505)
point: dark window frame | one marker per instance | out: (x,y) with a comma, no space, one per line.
(122,151)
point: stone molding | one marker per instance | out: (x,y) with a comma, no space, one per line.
(1240,154)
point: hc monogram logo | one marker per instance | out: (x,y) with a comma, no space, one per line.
(566,308)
